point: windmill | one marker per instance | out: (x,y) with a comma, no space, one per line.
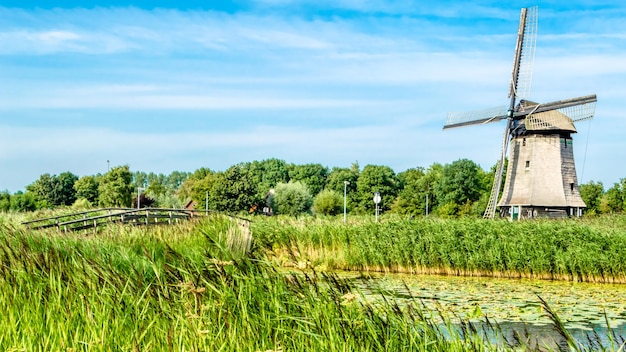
(541,175)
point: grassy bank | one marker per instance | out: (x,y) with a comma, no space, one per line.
(193,287)
(579,249)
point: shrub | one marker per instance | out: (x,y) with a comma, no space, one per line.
(328,202)
(291,198)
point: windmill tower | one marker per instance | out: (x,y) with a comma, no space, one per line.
(541,175)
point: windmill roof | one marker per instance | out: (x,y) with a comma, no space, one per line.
(549,120)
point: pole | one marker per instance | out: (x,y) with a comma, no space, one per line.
(345,185)
(376,212)
(139,189)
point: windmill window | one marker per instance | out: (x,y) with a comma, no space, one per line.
(571,187)
(524,142)
(527,164)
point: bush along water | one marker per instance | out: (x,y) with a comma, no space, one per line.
(580,250)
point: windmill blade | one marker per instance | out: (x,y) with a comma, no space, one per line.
(562,118)
(581,112)
(490,210)
(525,54)
(528,109)
(476,117)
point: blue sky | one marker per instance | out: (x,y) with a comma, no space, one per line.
(164,88)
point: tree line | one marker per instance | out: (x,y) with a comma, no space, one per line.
(460,188)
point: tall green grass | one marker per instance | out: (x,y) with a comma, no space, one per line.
(189,288)
(577,249)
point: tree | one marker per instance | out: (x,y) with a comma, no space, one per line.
(335,182)
(201,188)
(269,173)
(65,194)
(312,175)
(412,195)
(185,191)
(43,190)
(144,201)
(291,198)
(233,191)
(5,201)
(613,201)
(86,187)
(328,202)
(139,179)
(175,179)
(23,202)
(52,190)
(591,193)
(376,178)
(115,188)
(461,181)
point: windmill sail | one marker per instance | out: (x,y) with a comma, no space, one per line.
(520,87)
(478,117)
(521,79)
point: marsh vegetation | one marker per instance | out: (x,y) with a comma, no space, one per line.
(208,286)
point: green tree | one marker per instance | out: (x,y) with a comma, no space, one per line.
(65,194)
(23,201)
(461,182)
(86,187)
(233,191)
(139,179)
(291,198)
(185,190)
(336,178)
(591,193)
(312,175)
(115,188)
(5,201)
(43,190)
(376,178)
(52,190)
(411,198)
(201,188)
(175,179)
(614,200)
(328,202)
(269,173)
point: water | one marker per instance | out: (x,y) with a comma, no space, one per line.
(512,304)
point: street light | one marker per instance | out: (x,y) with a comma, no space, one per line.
(345,186)
(139,189)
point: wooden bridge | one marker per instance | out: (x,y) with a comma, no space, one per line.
(92,219)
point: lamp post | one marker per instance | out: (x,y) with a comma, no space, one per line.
(345,186)
(139,189)
(377,200)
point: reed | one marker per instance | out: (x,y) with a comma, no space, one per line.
(208,286)
(190,287)
(577,249)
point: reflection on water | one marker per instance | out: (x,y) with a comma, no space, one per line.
(512,304)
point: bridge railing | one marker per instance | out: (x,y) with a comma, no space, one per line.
(99,217)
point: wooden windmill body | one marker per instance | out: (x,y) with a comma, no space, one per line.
(541,174)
